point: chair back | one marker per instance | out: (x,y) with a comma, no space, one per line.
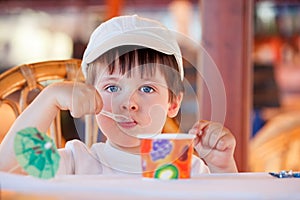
(21,84)
(276,146)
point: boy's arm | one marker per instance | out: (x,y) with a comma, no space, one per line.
(215,145)
(41,112)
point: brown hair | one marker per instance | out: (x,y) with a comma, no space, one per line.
(129,56)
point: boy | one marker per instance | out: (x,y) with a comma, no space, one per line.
(134,68)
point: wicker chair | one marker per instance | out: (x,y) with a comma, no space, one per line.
(19,86)
(276,146)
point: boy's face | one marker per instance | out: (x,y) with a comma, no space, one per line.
(145,101)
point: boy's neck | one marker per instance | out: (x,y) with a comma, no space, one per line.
(132,150)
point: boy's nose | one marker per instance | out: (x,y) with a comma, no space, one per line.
(130,104)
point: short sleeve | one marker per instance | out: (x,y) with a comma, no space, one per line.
(66,164)
(76,158)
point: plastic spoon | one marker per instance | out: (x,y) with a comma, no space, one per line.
(116,117)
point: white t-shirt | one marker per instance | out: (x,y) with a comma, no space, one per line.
(103,158)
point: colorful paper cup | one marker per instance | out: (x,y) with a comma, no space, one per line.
(167,156)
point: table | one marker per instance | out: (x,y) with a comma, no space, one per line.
(206,186)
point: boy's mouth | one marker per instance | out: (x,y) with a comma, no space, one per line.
(128,124)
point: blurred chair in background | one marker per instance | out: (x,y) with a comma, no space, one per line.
(21,84)
(276,146)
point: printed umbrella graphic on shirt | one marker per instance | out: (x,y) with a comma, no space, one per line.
(36,153)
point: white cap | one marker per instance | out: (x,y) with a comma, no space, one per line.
(131,30)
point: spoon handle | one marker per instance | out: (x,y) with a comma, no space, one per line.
(116,117)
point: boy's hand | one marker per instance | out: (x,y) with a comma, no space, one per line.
(79,98)
(215,144)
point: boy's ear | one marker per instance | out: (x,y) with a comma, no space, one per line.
(175,106)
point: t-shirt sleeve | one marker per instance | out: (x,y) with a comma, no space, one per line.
(66,164)
(76,158)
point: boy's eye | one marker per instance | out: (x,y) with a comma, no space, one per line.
(112,88)
(147,89)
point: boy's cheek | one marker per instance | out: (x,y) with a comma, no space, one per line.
(155,118)
(104,121)
(107,102)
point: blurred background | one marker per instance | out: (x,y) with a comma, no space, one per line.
(33,31)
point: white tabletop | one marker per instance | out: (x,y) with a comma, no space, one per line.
(206,186)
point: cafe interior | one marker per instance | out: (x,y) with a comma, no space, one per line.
(242,68)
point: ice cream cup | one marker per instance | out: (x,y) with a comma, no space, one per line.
(167,156)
